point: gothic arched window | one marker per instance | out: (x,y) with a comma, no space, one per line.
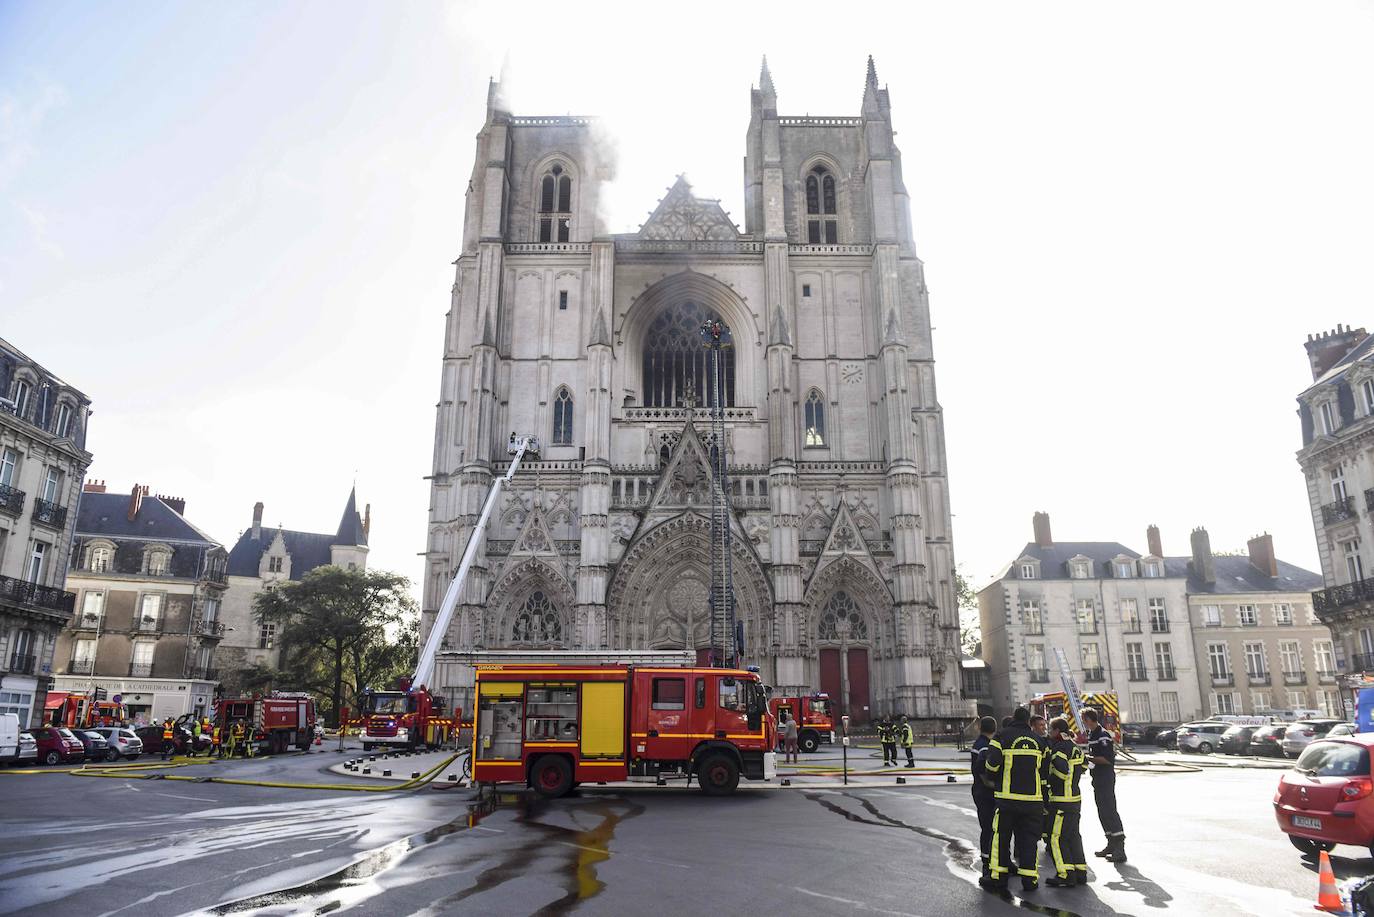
(674,358)
(841,608)
(555,205)
(815,419)
(537,621)
(563,417)
(821,222)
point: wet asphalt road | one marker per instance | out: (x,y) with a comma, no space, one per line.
(1200,843)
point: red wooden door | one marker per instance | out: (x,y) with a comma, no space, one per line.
(858,685)
(830,677)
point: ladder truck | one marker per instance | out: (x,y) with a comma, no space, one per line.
(413,715)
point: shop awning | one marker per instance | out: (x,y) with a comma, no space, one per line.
(55,699)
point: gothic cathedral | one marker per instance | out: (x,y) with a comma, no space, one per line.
(843,566)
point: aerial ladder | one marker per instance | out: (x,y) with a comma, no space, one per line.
(517,447)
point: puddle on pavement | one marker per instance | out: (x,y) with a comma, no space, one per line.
(960,853)
(575,854)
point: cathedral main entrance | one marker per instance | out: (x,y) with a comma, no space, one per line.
(833,676)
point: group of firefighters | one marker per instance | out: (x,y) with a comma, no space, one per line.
(893,731)
(227,742)
(1026,789)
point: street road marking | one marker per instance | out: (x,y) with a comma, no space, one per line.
(192,798)
(857,905)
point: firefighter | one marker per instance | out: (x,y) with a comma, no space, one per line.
(887,737)
(1067,764)
(983,799)
(235,738)
(194,737)
(168,739)
(908,739)
(216,750)
(1015,760)
(1102,754)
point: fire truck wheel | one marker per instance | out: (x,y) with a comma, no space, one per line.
(551,777)
(718,775)
(810,742)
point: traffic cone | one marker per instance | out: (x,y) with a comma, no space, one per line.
(1328,897)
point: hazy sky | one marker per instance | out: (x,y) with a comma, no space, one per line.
(232,225)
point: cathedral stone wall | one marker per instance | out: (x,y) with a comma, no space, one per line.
(843,569)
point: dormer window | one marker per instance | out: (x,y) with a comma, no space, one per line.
(157,560)
(1028,571)
(1080,569)
(1367,389)
(1125,569)
(62,423)
(1328,419)
(555,205)
(822,225)
(19,394)
(1153,568)
(274,564)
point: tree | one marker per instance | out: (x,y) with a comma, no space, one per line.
(970,628)
(332,624)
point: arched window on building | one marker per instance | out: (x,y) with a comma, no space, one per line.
(674,359)
(555,205)
(537,621)
(563,417)
(841,608)
(822,223)
(815,419)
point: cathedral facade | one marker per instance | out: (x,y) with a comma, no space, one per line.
(842,560)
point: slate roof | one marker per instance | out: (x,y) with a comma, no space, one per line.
(308,550)
(1236,576)
(1359,352)
(1054,560)
(351,525)
(108,515)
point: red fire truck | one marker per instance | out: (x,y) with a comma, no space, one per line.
(273,723)
(1057,704)
(404,718)
(553,727)
(81,711)
(812,713)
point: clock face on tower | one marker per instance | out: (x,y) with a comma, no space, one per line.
(852,373)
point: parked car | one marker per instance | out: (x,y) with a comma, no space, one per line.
(1236,740)
(1267,741)
(1167,738)
(94,742)
(1200,737)
(1341,729)
(1303,732)
(57,745)
(16,746)
(1327,798)
(123,743)
(1132,734)
(151,737)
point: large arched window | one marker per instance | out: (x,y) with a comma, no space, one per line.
(841,608)
(821,222)
(537,621)
(815,419)
(563,417)
(675,359)
(555,205)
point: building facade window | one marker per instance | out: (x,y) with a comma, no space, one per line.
(62,423)
(1328,419)
(19,703)
(38,560)
(1256,666)
(1259,701)
(1154,569)
(1169,707)
(675,359)
(19,394)
(267,635)
(1159,617)
(52,484)
(1297,700)
(815,419)
(1125,569)
(1130,616)
(1211,615)
(1290,657)
(1223,702)
(563,417)
(141,662)
(1135,661)
(1035,662)
(1249,616)
(822,224)
(1080,569)
(149,611)
(1030,617)
(157,560)
(537,621)
(274,564)
(1338,492)
(1140,707)
(1324,657)
(1085,614)
(9,466)
(92,608)
(1367,389)
(1090,659)
(1028,571)
(1164,661)
(1218,660)
(842,608)
(1354,563)
(1283,614)
(555,205)
(83,656)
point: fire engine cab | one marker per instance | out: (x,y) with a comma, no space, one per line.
(815,723)
(553,727)
(405,718)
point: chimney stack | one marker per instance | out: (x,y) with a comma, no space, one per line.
(136,500)
(367,520)
(1204,566)
(176,503)
(1262,555)
(1325,350)
(92,486)
(1040,523)
(257,520)
(1152,540)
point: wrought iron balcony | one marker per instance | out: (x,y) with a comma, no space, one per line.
(22,664)
(11,500)
(1362,662)
(32,594)
(1223,679)
(1094,674)
(148,624)
(1039,676)
(1338,511)
(210,628)
(1326,678)
(1259,678)
(1325,601)
(215,575)
(1139,673)
(81,667)
(45,512)
(87,621)
(1297,677)
(140,669)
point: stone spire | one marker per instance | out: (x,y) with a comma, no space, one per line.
(766,81)
(599,333)
(874,101)
(780,334)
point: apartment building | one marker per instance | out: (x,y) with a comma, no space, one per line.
(43,460)
(149,586)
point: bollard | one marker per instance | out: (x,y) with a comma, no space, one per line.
(367,770)
(372,757)
(452,778)
(949,778)
(901,781)
(786,782)
(386,773)
(414,775)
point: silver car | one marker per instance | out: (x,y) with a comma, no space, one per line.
(1301,734)
(124,743)
(28,751)
(1204,737)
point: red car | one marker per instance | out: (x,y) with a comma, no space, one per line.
(57,745)
(1328,796)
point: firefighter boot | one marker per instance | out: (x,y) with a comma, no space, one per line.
(988,883)
(1057,882)
(1117,853)
(1105,850)
(1028,884)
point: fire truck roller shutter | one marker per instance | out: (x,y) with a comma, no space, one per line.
(603,719)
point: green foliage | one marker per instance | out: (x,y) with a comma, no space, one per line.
(970,628)
(332,628)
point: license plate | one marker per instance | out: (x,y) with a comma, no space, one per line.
(1302,821)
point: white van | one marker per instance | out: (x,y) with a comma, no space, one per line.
(16,747)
